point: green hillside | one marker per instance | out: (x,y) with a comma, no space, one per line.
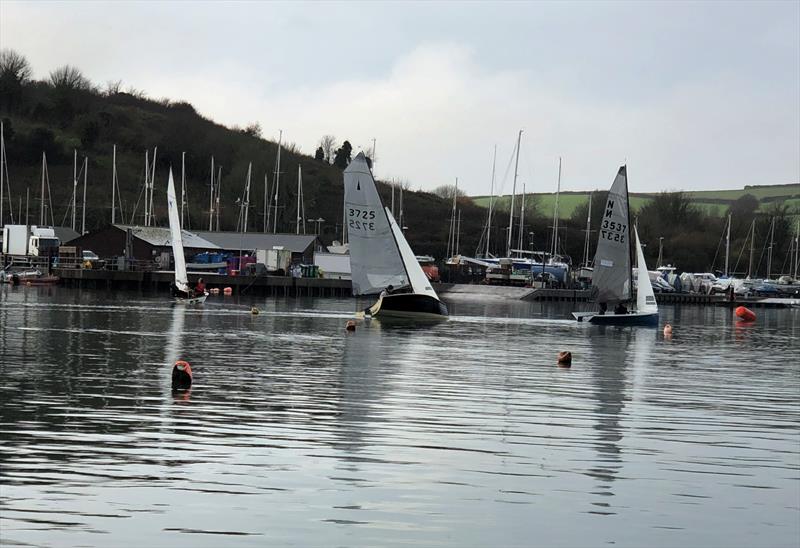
(713,202)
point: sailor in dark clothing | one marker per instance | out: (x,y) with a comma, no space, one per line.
(620,309)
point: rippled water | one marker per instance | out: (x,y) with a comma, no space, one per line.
(458,434)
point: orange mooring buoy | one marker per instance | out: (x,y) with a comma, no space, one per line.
(564,359)
(668,331)
(181,375)
(350,325)
(227,291)
(745,314)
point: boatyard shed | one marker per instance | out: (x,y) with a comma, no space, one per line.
(302,246)
(142,243)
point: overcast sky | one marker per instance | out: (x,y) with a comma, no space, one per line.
(693,95)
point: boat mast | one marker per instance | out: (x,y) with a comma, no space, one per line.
(588,230)
(796,248)
(85,173)
(41,209)
(555,210)
(277,182)
(146,183)
(246,204)
(513,192)
(74,185)
(211,199)
(491,203)
(401,210)
(727,246)
(771,245)
(451,238)
(2,167)
(4,173)
(752,245)
(265,214)
(458,233)
(183,183)
(113,185)
(520,243)
(299,196)
(152,186)
(219,190)
(630,248)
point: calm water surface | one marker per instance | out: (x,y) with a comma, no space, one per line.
(458,434)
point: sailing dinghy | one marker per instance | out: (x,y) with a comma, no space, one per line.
(181,290)
(381,261)
(612,280)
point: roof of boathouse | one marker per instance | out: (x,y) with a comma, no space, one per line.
(160,237)
(296,243)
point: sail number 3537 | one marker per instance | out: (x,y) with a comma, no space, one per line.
(361,219)
(613,231)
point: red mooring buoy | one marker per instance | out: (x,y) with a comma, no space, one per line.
(181,375)
(745,314)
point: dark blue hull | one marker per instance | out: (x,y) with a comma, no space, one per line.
(409,305)
(641,319)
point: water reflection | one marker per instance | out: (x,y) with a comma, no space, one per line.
(456,434)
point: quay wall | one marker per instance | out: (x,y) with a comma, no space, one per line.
(283,286)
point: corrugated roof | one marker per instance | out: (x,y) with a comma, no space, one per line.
(250,241)
(159,236)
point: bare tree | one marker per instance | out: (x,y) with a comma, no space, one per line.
(446,191)
(113,87)
(69,77)
(328,144)
(253,129)
(14,66)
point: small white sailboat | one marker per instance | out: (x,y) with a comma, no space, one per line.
(181,290)
(381,260)
(612,280)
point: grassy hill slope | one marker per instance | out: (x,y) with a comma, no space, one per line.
(713,202)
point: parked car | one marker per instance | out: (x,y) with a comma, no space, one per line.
(92,260)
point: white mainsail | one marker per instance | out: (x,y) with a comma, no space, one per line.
(420,283)
(375,261)
(181,279)
(645,298)
(611,278)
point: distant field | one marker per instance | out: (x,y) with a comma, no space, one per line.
(714,202)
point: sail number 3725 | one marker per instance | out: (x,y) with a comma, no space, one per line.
(613,231)
(361,219)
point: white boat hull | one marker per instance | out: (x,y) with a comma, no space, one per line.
(200,299)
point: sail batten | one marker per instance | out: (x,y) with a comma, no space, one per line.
(611,279)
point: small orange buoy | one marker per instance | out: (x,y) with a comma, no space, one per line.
(350,325)
(228,291)
(745,314)
(564,359)
(181,375)
(668,331)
